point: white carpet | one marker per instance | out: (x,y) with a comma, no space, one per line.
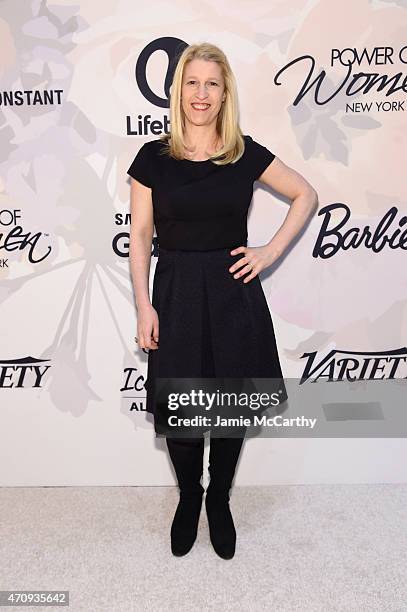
(306,548)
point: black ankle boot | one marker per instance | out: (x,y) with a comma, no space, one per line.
(187,458)
(223,457)
(184,527)
(221,526)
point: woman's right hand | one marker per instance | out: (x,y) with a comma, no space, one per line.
(147,327)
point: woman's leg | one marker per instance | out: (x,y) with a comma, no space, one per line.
(223,457)
(187,458)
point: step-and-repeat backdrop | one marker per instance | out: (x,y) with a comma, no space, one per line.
(83,85)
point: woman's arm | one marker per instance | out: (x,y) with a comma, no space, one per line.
(294,186)
(291,184)
(141,237)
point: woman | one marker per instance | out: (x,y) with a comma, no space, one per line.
(208,316)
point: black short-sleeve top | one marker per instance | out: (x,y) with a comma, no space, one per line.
(198,205)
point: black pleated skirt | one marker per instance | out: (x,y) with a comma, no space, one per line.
(210,324)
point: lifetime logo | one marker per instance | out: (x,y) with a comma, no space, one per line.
(26,372)
(144,125)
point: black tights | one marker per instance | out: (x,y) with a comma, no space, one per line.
(187,458)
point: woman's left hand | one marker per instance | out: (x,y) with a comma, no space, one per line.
(254,260)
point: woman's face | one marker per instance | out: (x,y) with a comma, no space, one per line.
(203,84)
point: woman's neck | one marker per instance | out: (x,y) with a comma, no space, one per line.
(202,150)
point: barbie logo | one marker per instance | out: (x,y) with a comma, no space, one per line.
(335,235)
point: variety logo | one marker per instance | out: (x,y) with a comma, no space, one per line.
(352,365)
(27,372)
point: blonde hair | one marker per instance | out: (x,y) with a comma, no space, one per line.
(227,125)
